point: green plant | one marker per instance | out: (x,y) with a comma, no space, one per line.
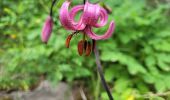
(135,60)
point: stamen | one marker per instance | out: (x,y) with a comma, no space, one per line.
(80,47)
(88,48)
(68,40)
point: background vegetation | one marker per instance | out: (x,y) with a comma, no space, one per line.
(136,59)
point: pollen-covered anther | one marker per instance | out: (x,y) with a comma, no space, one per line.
(88,48)
(80,47)
(68,40)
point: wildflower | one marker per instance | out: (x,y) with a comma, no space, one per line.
(92,16)
(47,29)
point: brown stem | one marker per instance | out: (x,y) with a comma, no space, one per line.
(99,67)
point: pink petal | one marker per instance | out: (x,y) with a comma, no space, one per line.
(103,18)
(91,13)
(67,21)
(88,31)
(73,13)
(47,29)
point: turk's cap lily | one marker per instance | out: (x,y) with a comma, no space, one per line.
(92,16)
(47,29)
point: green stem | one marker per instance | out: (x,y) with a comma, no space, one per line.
(97,89)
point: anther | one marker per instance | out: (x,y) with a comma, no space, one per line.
(88,48)
(68,40)
(80,47)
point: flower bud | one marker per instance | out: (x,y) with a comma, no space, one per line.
(47,29)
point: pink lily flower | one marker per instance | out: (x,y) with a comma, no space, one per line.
(92,13)
(47,29)
(92,16)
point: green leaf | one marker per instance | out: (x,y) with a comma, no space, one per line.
(109,74)
(132,64)
(149,78)
(121,85)
(59,3)
(160,86)
(82,72)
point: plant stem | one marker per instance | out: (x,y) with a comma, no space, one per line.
(99,67)
(97,89)
(84,1)
(51,9)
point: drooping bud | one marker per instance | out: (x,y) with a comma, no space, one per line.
(68,40)
(80,47)
(88,48)
(47,29)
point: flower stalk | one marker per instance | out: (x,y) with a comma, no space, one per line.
(99,67)
(51,9)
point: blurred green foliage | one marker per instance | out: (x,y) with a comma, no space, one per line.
(136,59)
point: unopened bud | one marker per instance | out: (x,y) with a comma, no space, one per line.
(47,29)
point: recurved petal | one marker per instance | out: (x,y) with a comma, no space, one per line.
(65,17)
(47,29)
(103,18)
(79,25)
(68,21)
(88,31)
(91,13)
